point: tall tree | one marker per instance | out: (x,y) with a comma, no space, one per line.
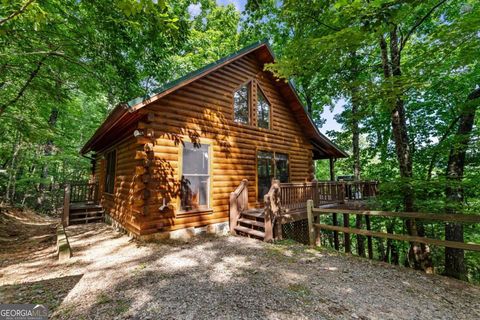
(454,258)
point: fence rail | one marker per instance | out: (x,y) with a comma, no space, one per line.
(314,227)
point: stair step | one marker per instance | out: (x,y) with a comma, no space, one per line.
(251,222)
(86,219)
(86,210)
(88,213)
(83,206)
(255,233)
(254,214)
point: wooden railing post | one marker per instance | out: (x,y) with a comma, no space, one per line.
(272,210)
(311,229)
(268,219)
(346,235)
(234,214)
(238,202)
(66,205)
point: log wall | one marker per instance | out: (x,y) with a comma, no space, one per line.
(203,111)
(148,168)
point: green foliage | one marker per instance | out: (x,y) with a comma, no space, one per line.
(65,64)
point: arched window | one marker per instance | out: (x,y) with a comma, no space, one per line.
(240,104)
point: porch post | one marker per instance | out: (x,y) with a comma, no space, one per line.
(332,169)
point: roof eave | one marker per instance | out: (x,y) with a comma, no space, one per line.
(113,118)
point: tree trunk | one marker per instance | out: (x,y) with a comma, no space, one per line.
(10,190)
(356,151)
(454,258)
(47,151)
(419,254)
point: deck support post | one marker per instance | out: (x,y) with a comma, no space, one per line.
(346,235)
(369,238)
(335,233)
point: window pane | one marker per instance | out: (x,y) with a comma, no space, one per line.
(195,182)
(194,192)
(240,104)
(264,173)
(110,171)
(263,110)
(281,164)
(195,159)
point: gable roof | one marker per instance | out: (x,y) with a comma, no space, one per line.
(126,114)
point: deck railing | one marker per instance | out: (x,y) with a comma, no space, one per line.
(238,203)
(84,192)
(78,192)
(295,195)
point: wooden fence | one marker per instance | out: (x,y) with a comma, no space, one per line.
(314,227)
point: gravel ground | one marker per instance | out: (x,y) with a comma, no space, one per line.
(114,277)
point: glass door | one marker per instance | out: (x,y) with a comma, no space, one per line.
(265,171)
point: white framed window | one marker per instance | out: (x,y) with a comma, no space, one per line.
(195,181)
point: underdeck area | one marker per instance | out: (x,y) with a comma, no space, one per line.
(285,203)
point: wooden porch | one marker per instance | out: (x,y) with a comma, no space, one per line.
(286,203)
(81,203)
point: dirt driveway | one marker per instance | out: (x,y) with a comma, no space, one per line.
(113,277)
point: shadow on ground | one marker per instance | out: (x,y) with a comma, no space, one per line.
(50,292)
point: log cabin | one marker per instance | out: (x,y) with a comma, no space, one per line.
(199,151)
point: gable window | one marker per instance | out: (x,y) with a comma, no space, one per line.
(240,104)
(195,182)
(263,110)
(270,165)
(111,161)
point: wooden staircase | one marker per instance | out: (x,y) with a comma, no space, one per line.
(251,224)
(81,204)
(81,213)
(255,223)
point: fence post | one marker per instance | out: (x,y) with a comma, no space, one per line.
(311,228)
(66,205)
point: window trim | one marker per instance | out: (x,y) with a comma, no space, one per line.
(273,151)
(250,87)
(115,172)
(270,122)
(179,213)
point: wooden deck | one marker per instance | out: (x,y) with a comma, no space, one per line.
(286,203)
(81,204)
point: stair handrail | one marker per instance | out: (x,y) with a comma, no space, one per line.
(238,203)
(272,209)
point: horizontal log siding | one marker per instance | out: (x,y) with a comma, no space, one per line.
(204,109)
(119,205)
